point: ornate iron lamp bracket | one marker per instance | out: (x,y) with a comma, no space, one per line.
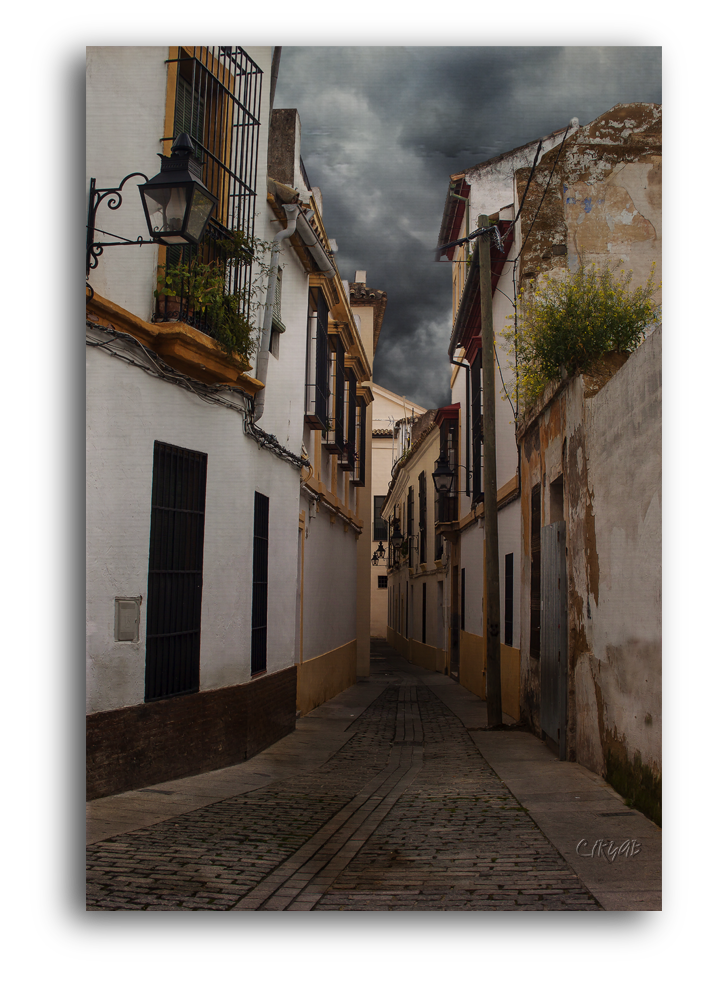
(114,200)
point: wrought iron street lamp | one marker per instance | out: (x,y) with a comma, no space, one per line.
(378,554)
(396,539)
(443,476)
(177,205)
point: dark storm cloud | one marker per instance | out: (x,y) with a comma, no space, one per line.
(382,130)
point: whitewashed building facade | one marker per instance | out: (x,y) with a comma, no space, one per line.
(203,585)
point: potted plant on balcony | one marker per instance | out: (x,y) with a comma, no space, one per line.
(196,290)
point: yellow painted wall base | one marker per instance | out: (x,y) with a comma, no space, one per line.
(472,663)
(428,657)
(325,676)
(472,671)
(399,643)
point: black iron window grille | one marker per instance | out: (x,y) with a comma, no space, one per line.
(318,368)
(335,436)
(361,412)
(176,559)
(349,457)
(446,507)
(477,433)
(424,615)
(535,570)
(217,100)
(462,598)
(380,527)
(382,583)
(422,518)
(411,522)
(259,604)
(509,597)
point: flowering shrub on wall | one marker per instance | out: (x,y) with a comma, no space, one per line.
(563,326)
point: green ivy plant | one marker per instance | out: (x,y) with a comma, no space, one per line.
(562,326)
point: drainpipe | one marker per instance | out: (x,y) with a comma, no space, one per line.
(313,245)
(262,361)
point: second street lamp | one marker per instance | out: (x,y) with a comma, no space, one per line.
(443,476)
(396,539)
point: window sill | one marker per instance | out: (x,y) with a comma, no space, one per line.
(187,350)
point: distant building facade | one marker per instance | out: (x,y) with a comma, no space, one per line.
(394,417)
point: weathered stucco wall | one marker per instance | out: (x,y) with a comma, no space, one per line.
(607,448)
(603,197)
(619,670)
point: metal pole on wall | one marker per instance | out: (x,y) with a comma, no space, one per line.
(492,557)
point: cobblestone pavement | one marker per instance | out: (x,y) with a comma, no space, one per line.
(407,815)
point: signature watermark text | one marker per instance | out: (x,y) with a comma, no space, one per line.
(608,849)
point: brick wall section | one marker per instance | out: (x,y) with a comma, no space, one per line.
(146,744)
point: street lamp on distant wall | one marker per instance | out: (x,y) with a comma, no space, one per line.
(378,554)
(444,479)
(177,205)
(443,476)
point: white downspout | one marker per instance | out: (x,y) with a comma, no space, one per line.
(262,360)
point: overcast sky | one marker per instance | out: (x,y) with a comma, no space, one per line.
(382,130)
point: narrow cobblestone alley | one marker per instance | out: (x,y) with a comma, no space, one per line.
(406,815)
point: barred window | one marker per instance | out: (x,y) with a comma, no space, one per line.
(176,564)
(318,369)
(380,527)
(216,95)
(422,517)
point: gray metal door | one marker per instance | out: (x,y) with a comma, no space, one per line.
(553,629)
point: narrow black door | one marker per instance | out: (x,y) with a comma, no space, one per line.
(259,605)
(176,560)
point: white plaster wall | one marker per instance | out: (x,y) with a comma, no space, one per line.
(284,404)
(472,560)
(623,433)
(127,411)
(329,584)
(491,184)
(126,101)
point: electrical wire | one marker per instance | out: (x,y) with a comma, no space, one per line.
(524,244)
(159,369)
(544,195)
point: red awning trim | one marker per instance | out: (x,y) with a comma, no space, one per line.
(451,412)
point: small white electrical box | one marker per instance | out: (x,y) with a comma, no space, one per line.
(126,619)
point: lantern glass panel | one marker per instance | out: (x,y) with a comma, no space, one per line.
(166,208)
(199,213)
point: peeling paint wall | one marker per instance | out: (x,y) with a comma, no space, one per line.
(607,448)
(602,197)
